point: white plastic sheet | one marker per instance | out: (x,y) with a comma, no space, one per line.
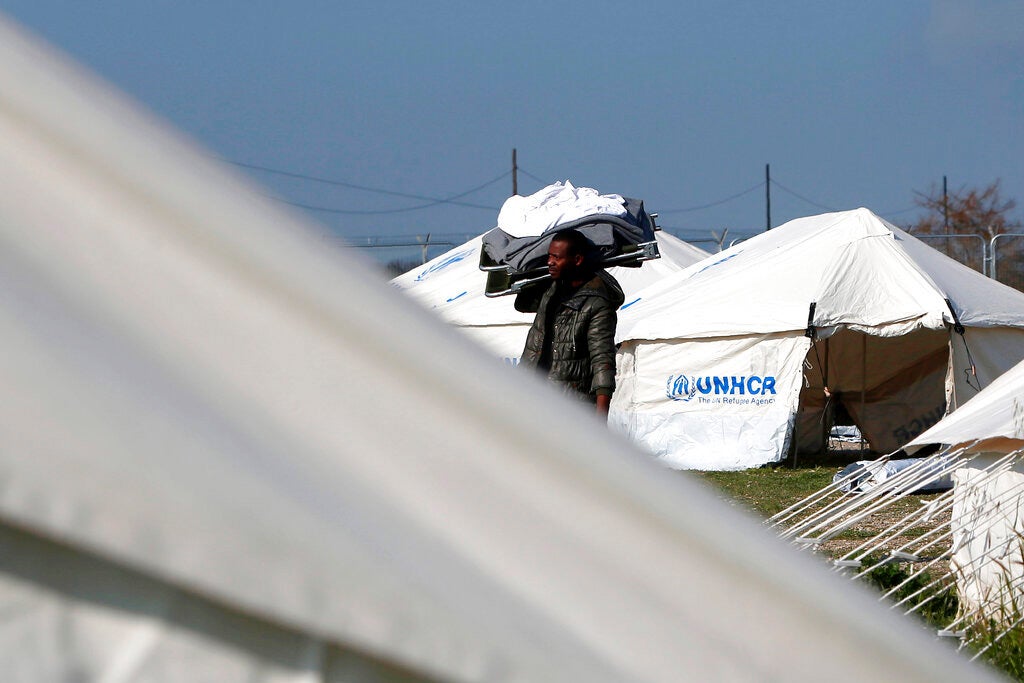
(865,475)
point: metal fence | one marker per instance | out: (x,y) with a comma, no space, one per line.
(1001,258)
(407,250)
(1006,259)
(967,249)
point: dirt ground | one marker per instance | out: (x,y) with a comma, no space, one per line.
(884,519)
(842,453)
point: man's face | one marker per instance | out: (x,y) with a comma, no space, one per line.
(561,262)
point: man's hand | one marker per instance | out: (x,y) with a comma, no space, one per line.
(603,402)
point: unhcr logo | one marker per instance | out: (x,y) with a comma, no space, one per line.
(681,387)
(686,387)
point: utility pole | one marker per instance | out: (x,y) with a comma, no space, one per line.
(945,206)
(515,174)
(767,197)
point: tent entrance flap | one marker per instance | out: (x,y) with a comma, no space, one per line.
(891,388)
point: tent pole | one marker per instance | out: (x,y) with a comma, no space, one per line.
(795,443)
(824,424)
(796,431)
(863,383)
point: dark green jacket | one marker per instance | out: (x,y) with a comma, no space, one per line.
(583,337)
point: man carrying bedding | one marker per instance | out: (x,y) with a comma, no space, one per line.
(572,339)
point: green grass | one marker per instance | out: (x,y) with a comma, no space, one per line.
(768,490)
(1007,654)
(937,613)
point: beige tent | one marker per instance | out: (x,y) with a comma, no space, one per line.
(231,454)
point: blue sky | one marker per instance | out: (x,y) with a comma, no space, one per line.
(678,103)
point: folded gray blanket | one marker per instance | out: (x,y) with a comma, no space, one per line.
(609,235)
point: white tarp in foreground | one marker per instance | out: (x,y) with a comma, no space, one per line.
(452,285)
(732,360)
(231,454)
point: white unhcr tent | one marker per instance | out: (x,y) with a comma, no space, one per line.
(727,363)
(230,454)
(452,285)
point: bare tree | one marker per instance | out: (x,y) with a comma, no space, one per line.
(966,211)
(973,211)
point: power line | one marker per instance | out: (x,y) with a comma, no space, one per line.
(683,210)
(715,203)
(431,201)
(801,197)
(532,177)
(377,212)
(897,213)
(829,208)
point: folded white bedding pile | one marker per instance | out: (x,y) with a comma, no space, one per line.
(553,205)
